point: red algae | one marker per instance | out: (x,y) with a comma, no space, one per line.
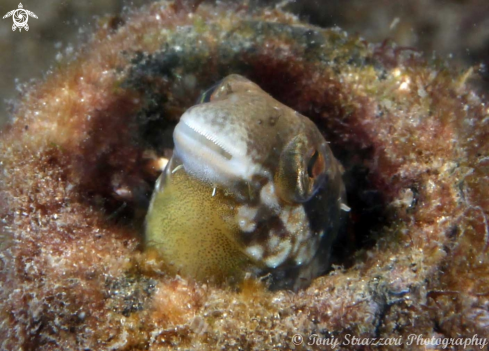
(412,134)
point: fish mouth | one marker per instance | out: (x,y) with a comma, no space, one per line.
(186,136)
(206,157)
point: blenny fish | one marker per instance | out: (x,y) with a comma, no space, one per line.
(252,188)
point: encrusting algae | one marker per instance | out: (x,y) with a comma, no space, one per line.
(76,179)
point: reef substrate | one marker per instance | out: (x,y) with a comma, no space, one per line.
(412,134)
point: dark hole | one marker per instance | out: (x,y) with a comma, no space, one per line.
(166,99)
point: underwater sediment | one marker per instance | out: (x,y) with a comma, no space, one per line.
(410,132)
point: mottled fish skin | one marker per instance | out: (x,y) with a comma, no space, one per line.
(252,188)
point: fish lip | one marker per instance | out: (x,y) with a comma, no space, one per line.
(204,159)
(185,131)
(213,150)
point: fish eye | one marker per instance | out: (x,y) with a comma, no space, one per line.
(300,170)
(217,91)
(311,164)
(206,96)
(316,165)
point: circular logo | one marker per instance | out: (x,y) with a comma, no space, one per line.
(297,339)
(20,17)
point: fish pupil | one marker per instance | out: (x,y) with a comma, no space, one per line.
(312,162)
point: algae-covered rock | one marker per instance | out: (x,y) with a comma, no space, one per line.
(76,176)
